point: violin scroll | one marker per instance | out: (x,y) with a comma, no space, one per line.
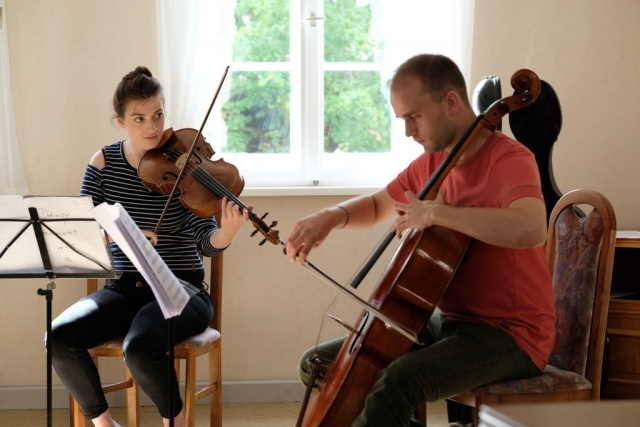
(270,234)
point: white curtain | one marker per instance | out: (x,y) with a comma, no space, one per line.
(12,177)
(195,40)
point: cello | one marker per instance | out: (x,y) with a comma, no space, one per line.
(401,295)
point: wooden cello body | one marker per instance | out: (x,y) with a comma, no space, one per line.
(408,292)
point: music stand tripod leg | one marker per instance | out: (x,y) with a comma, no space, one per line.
(48,294)
(172,396)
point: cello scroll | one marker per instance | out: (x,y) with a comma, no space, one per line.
(527,88)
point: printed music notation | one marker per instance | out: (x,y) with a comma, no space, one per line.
(74,242)
(168,290)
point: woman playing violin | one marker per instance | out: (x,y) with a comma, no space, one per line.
(126,306)
(496,319)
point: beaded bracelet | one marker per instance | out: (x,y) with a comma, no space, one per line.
(348,216)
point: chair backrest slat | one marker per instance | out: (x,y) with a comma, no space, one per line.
(578,243)
(580,255)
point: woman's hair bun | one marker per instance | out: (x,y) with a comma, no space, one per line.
(140,70)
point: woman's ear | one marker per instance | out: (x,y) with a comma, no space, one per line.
(119,121)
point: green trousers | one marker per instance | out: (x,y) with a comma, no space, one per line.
(455,358)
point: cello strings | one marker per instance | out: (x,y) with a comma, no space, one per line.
(325,316)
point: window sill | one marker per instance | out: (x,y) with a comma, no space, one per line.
(306,191)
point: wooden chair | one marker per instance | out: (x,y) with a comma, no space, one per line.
(580,256)
(189,350)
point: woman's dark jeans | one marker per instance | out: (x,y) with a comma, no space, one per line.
(125,307)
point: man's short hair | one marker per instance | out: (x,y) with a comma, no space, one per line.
(439,75)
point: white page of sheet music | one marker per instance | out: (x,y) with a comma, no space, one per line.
(168,291)
(85,237)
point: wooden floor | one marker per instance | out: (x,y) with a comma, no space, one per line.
(235,415)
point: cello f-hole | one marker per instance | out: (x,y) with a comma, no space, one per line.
(356,336)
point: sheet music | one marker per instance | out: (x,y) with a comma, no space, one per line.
(168,291)
(78,250)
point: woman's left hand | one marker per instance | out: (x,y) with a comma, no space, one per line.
(231,219)
(233,216)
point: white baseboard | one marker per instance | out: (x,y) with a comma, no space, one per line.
(264,391)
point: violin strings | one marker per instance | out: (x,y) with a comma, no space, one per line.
(213,184)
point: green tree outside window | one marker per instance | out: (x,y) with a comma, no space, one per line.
(356,114)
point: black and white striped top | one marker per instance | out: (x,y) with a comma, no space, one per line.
(181,233)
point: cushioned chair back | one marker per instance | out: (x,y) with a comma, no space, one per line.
(578,243)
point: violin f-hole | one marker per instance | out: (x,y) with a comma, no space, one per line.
(169,175)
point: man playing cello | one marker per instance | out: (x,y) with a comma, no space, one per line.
(496,319)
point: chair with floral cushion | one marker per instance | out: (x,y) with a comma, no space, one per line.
(580,257)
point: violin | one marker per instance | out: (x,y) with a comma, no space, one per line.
(200,182)
(181,164)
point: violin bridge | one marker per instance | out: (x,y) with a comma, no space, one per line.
(181,160)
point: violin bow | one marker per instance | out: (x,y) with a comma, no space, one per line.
(193,145)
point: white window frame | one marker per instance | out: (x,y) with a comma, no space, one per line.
(306,170)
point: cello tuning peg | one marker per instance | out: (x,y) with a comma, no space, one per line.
(254,233)
(273,224)
(265,215)
(262,243)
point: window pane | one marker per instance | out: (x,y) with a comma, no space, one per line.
(262,31)
(347,36)
(356,114)
(257,112)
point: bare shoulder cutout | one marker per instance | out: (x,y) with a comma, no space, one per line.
(98,161)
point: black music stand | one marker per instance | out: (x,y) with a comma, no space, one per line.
(51,237)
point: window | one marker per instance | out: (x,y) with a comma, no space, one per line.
(305,103)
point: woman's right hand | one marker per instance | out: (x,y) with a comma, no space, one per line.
(153,237)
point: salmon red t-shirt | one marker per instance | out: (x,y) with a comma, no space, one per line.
(508,289)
